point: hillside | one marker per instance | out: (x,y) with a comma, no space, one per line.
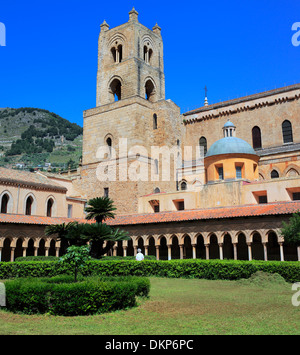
(33,138)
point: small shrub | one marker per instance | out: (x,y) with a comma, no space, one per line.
(60,295)
(263,279)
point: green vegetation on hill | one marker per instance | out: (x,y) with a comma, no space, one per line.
(32,137)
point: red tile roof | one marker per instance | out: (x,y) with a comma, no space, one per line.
(26,178)
(278,208)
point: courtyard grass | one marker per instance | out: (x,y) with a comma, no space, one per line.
(179,307)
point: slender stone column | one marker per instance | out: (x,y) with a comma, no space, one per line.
(46,251)
(115,250)
(36,251)
(265,251)
(221,251)
(0,253)
(194,251)
(181,250)
(169,251)
(207,251)
(157,252)
(234,251)
(146,249)
(24,251)
(249,251)
(12,253)
(135,249)
(125,250)
(57,251)
(281,252)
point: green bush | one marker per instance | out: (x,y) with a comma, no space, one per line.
(61,296)
(106,258)
(202,269)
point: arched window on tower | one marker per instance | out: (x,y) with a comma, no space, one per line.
(149,91)
(155,121)
(147,54)
(120,51)
(287,132)
(109,144)
(115,89)
(117,53)
(203,145)
(4,203)
(28,206)
(256,137)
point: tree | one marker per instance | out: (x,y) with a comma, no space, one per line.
(98,233)
(291,231)
(63,233)
(76,257)
(100,209)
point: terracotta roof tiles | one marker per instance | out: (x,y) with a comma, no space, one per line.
(271,209)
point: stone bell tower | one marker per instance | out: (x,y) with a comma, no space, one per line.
(130,62)
(130,106)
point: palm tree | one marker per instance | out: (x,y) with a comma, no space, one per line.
(98,233)
(68,234)
(100,209)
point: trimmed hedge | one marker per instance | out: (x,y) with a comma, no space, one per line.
(194,268)
(37,258)
(61,296)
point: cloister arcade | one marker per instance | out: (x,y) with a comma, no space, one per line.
(241,245)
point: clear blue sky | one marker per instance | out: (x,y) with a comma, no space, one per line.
(236,48)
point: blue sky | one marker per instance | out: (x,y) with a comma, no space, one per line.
(235,48)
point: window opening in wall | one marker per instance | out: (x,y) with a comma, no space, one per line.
(49,207)
(203,145)
(238,172)
(106,192)
(262,199)
(115,88)
(155,121)
(287,132)
(149,91)
(183,186)
(28,206)
(70,210)
(156,166)
(221,173)
(274,174)
(256,138)
(296,196)
(4,203)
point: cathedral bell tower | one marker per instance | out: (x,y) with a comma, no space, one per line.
(130,107)
(130,62)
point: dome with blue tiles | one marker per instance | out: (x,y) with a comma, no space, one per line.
(230,144)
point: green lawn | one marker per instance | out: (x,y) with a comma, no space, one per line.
(180,307)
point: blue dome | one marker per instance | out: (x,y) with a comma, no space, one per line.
(228,124)
(230,145)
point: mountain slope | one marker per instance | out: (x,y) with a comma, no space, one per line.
(32,137)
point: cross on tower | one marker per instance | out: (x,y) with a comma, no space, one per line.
(205,101)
